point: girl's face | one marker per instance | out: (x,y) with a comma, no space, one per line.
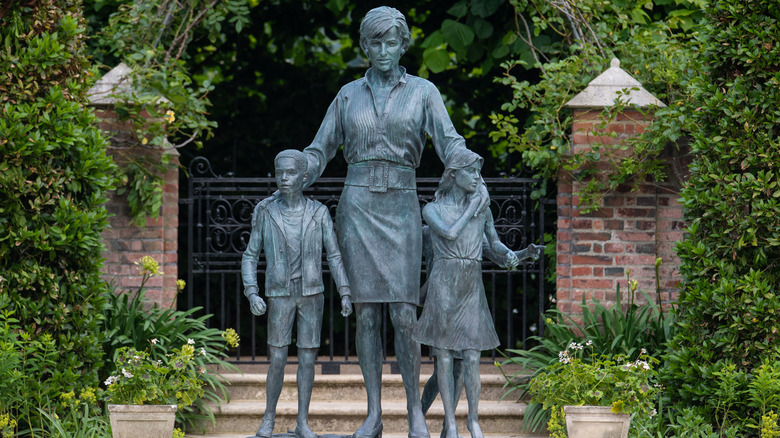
(468,178)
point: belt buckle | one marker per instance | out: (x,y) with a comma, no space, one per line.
(378,178)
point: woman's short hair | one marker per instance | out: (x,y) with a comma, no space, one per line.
(380,20)
(300,159)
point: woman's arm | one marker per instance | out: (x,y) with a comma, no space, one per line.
(450,232)
(326,143)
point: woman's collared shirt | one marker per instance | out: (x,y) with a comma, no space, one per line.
(396,133)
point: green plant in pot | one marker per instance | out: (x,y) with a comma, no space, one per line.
(612,388)
(159,364)
(148,388)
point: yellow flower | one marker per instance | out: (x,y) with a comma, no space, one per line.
(617,406)
(658,262)
(88,395)
(170,116)
(231,337)
(149,266)
(180,284)
(144,140)
(178,433)
(7,425)
(187,350)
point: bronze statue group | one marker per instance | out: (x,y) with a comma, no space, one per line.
(375,251)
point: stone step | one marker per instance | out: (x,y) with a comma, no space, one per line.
(345,416)
(345,387)
(289,434)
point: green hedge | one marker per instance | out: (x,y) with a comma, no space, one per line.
(54,176)
(729,309)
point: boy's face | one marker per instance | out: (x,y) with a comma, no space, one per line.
(289,178)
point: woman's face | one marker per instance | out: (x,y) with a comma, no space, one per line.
(385,52)
(468,178)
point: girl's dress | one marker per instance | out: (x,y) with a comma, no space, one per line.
(456,314)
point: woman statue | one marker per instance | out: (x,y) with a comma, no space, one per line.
(383,120)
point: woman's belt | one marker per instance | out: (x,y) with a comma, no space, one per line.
(379,176)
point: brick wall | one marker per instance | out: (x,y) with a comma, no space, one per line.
(630,231)
(126,243)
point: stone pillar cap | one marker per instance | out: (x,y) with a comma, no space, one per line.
(602,91)
(114,82)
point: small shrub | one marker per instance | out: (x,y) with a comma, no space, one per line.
(128,325)
(625,386)
(609,331)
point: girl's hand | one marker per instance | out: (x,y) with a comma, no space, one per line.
(474,200)
(484,198)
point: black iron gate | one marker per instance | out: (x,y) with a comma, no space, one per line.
(215,231)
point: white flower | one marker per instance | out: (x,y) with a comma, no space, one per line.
(110,380)
(563,357)
(158,363)
(589,343)
(154,341)
(191,341)
(654,413)
(575,346)
(643,351)
(203,351)
(126,373)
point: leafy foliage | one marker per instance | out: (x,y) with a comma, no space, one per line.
(731,255)
(54,175)
(165,106)
(655,42)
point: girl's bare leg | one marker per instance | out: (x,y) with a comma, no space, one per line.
(473,388)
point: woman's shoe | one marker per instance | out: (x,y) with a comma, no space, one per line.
(376,432)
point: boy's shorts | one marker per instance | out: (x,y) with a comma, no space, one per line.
(281,314)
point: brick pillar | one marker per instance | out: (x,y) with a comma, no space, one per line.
(125,243)
(631,230)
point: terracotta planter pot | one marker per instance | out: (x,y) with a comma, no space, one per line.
(142,421)
(595,421)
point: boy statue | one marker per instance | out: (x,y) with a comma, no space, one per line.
(292,231)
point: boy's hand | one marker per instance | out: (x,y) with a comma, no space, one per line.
(346,305)
(511,260)
(256,305)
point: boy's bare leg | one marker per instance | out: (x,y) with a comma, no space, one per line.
(273,388)
(306,358)
(473,388)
